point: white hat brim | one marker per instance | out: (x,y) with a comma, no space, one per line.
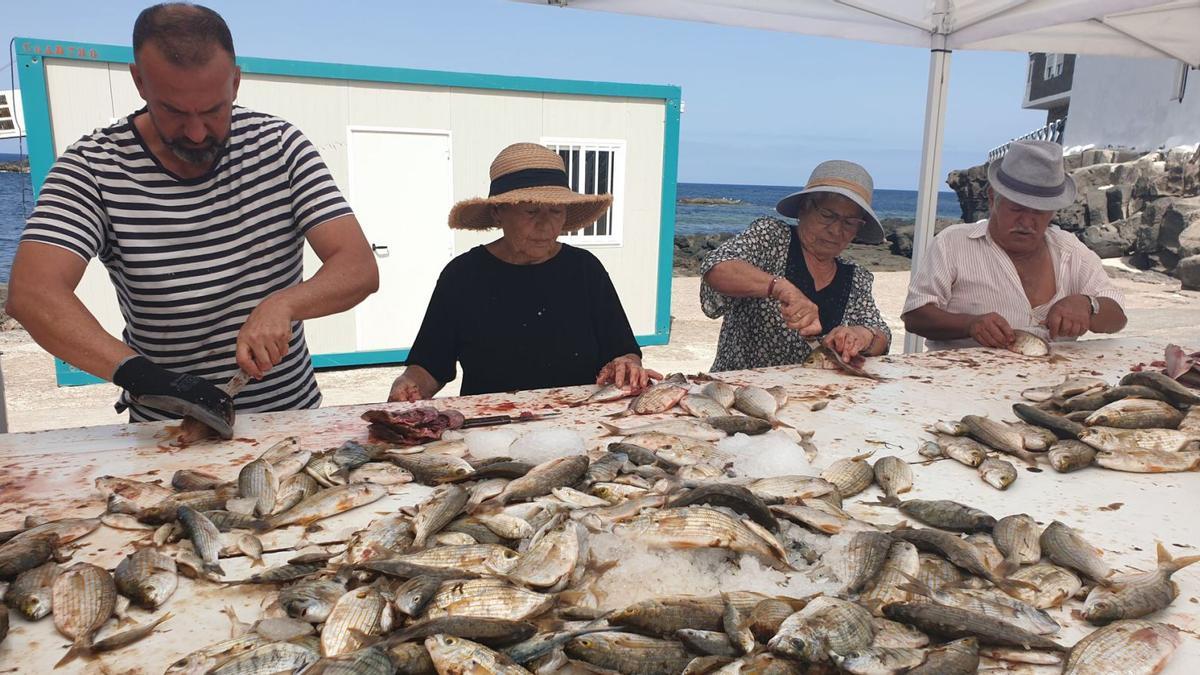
(869,233)
(1029,201)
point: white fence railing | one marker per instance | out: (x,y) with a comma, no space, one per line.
(1050,132)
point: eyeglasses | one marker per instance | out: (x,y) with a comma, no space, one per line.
(846,224)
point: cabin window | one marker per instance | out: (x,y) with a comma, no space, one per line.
(594,167)
(1054,66)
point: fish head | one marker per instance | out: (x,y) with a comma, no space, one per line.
(502,561)
(33,606)
(1101,610)
(801,645)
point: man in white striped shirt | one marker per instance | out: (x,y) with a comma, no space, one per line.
(980,281)
(199,210)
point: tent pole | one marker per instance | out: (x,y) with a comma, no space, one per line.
(931,163)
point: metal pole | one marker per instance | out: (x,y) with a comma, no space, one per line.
(931,163)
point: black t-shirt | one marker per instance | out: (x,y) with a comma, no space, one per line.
(830,301)
(516,327)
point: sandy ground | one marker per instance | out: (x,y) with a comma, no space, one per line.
(1155,304)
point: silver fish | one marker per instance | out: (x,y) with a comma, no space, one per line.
(1067,456)
(311,600)
(146,577)
(257,481)
(851,475)
(757,402)
(324,504)
(1137,595)
(453,655)
(721,392)
(1028,344)
(702,406)
(997,473)
(825,626)
(83,597)
(893,475)
(29,593)
(1017,538)
(205,537)
(436,512)
(1064,546)
(1000,436)
(1136,413)
(546,476)
(1046,585)
(1129,647)
(273,657)
(359,614)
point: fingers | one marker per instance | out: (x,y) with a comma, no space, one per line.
(262,358)
(246,362)
(605,374)
(622,373)
(651,375)
(1005,331)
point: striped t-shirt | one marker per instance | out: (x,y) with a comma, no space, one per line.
(191,258)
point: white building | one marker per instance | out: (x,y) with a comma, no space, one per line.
(404,145)
(1109,101)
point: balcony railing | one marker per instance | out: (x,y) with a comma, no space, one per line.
(1050,132)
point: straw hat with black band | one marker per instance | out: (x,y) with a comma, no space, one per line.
(528,173)
(843,178)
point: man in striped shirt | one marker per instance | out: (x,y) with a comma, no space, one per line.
(982,280)
(199,210)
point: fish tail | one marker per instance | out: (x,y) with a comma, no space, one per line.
(612,429)
(886,500)
(80,648)
(215,568)
(914,585)
(1172,565)
(1007,567)
(1012,586)
(258,562)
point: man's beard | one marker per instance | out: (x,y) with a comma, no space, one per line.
(203,154)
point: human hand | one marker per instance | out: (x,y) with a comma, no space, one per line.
(1069,317)
(263,340)
(798,312)
(404,389)
(627,372)
(991,330)
(849,341)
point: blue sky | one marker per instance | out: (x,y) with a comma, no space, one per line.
(761,107)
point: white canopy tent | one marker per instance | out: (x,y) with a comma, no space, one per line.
(1144,28)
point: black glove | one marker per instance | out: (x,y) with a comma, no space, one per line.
(185,395)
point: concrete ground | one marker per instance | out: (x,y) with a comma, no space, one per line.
(1155,304)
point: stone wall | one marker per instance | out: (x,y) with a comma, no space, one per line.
(1142,205)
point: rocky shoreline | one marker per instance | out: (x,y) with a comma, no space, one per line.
(892,256)
(1142,206)
(15,167)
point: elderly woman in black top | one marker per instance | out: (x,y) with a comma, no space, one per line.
(782,287)
(525,311)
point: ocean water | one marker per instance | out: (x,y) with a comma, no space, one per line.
(760,200)
(16,200)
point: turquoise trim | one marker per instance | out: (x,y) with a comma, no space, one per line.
(32,52)
(666,227)
(82,51)
(351,359)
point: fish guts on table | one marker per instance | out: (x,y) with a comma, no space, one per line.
(514,589)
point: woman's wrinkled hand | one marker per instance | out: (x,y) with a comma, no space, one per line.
(798,312)
(404,389)
(627,372)
(849,341)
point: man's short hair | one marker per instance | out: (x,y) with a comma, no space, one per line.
(185,33)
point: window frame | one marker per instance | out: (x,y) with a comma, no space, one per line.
(615,237)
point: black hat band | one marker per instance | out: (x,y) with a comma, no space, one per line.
(527,178)
(1029,188)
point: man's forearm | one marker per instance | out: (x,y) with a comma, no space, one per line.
(937,324)
(63,326)
(1110,319)
(738,279)
(340,284)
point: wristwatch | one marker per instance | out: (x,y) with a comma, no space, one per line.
(1095,302)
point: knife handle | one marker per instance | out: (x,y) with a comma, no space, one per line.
(486,421)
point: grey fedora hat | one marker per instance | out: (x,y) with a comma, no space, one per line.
(1031,174)
(841,178)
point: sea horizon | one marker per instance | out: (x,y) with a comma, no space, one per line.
(750,202)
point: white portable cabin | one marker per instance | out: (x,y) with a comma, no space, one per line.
(404,145)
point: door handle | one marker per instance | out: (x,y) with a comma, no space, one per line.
(380,248)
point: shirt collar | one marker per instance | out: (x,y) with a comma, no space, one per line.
(980,230)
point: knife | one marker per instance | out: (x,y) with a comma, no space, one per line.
(495,420)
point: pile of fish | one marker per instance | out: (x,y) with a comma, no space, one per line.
(497,570)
